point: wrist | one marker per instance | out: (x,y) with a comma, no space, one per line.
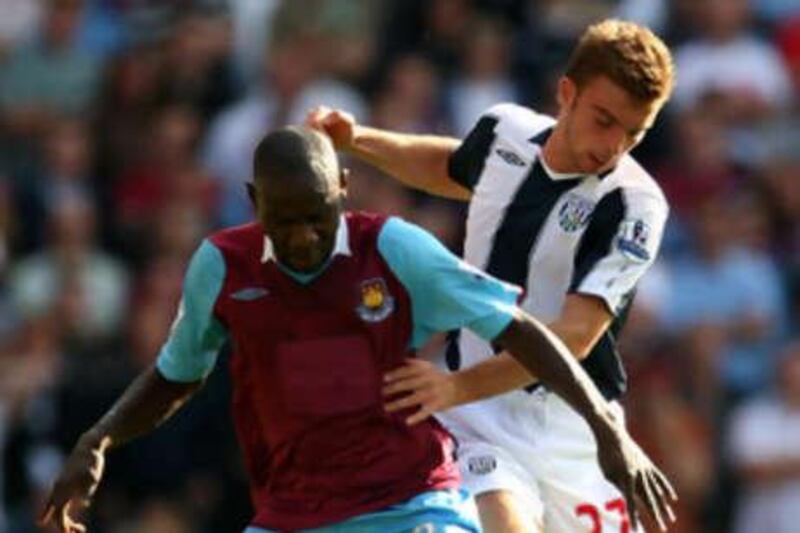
(353,147)
(461,389)
(602,420)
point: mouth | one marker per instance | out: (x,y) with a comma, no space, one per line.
(303,264)
(596,160)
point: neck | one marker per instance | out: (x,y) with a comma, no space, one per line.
(554,152)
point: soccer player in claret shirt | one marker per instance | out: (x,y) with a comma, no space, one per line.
(318,304)
(559,207)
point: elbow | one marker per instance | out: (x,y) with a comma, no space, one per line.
(580,343)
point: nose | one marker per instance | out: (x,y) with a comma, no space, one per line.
(616,144)
(303,237)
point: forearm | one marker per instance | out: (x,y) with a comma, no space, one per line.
(491,377)
(544,355)
(504,373)
(419,161)
(145,404)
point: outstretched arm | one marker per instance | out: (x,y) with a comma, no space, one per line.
(186,359)
(622,461)
(419,161)
(145,404)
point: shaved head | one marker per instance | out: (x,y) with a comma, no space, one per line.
(298,191)
(296,155)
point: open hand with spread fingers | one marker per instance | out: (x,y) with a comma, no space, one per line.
(74,488)
(626,465)
(420,384)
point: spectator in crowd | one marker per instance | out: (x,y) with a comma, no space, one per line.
(167,175)
(51,75)
(484,78)
(291,71)
(70,271)
(725,305)
(18,23)
(764,445)
(742,74)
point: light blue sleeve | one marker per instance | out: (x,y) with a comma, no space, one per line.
(446,292)
(196,336)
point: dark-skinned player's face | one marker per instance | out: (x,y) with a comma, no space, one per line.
(301,217)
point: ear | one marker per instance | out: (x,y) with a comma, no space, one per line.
(566,93)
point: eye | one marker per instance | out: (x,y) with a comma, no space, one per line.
(603,122)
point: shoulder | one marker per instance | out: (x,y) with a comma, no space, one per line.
(362,221)
(243,239)
(639,190)
(516,122)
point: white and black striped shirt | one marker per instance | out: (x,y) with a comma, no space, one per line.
(555,234)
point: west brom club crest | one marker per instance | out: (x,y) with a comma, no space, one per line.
(574,213)
(376,302)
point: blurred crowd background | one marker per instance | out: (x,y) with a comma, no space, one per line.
(126,132)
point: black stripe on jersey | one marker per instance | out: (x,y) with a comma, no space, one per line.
(598,239)
(465,165)
(522,223)
(603,364)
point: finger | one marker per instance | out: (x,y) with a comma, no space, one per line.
(341,116)
(630,502)
(76,527)
(419,416)
(65,522)
(662,495)
(648,496)
(406,371)
(405,402)
(664,482)
(411,385)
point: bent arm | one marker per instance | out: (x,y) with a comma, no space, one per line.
(146,403)
(543,354)
(418,161)
(582,322)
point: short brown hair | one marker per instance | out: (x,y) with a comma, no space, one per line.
(630,55)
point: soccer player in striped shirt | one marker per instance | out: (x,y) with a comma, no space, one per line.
(559,207)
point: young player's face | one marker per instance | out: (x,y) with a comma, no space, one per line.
(301,221)
(602,123)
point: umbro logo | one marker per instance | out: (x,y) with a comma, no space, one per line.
(510,157)
(249,294)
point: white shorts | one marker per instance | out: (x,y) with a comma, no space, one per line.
(539,449)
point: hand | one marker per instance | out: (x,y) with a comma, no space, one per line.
(625,465)
(75,485)
(339,125)
(425,385)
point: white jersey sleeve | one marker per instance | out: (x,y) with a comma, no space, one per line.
(498,145)
(619,244)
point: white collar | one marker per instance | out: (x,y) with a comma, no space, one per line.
(559,175)
(340,247)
